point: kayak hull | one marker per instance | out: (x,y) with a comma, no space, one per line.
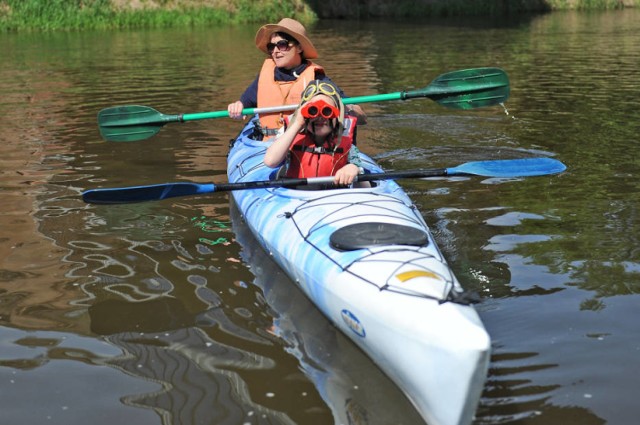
(367,260)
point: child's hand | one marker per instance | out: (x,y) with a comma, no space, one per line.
(297,121)
(346,175)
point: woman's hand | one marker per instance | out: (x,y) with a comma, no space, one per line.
(235,110)
(358,112)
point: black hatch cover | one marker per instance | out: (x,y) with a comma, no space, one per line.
(367,235)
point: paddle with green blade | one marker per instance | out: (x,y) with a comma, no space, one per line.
(507,168)
(463,89)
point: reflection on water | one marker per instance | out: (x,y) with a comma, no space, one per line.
(202,379)
(61,378)
(178,318)
(346,379)
(197,374)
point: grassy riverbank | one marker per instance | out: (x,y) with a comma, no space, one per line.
(52,15)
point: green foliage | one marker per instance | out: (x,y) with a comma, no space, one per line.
(469,8)
(52,15)
(273,11)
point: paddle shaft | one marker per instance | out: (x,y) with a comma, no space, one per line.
(226,187)
(461,170)
(403,95)
(158,192)
(165,118)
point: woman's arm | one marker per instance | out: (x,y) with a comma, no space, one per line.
(247,100)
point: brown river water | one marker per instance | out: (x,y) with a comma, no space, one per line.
(170,313)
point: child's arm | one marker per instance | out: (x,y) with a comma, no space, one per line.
(348,173)
(277,152)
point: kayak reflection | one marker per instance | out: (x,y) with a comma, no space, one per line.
(353,387)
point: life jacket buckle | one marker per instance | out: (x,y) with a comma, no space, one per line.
(269,131)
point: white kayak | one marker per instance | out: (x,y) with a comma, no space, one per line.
(366,258)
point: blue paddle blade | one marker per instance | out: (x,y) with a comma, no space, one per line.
(145,193)
(509,168)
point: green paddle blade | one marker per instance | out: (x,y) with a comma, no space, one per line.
(467,88)
(132,122)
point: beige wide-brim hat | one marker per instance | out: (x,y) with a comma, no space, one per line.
(292,27)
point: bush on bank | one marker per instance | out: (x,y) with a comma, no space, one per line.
(438,8)
(51,15)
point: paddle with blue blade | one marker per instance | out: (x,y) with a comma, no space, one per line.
(463,89)
(507,168)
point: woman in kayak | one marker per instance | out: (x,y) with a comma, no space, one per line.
(284,74)
(318,140)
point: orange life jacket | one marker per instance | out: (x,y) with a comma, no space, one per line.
(278,93)
(308,160)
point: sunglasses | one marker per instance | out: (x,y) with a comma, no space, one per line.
(319,108)
(282,45)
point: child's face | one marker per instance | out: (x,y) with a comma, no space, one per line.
(319,126)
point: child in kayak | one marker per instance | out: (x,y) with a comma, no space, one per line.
(318,140)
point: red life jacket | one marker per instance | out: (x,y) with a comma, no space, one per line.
(279,93)
(308,160)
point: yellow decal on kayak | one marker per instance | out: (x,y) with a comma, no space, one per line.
(412,274)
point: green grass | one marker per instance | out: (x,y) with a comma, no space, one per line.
(55,15)
(588,4)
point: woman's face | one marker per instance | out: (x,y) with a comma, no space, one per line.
(320,126)
(288,59)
